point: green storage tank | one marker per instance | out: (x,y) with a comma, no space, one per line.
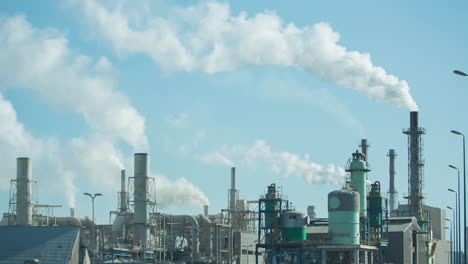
(343,217)
(294,226)
(271,206)
(375,206)
(358,169)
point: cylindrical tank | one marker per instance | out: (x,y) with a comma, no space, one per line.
(294,226)
(375,206)
(358,169)
(343,217)
(23,192)
(270,206)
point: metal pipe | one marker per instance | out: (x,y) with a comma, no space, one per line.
(195,230)
(392,191)
(23,192)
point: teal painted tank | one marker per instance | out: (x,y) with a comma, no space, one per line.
(271,206)
(358,169)
(343,217)
(294,226)
(375,206)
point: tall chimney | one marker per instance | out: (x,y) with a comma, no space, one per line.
(72,212)
(415,167)
(23,192)
(232,200)
(141,169)
(205,210)
(364,146)
(392,191)
(123,192)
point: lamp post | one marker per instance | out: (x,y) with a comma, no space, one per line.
(451,228)
(458,215)
(464,192)
(454,231)
(460,73)
(93,240)
(451,258)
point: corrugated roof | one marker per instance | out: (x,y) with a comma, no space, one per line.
(48,244)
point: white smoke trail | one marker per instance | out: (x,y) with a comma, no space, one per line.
(179,192)
(208,38)
(286,164)
(216,158)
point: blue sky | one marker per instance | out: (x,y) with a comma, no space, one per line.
(81,92)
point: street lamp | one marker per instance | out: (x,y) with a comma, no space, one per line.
(464,191)
(451,229)
(460,73)
(454,231)
(94,222)
(458,215)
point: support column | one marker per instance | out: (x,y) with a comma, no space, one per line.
(356,257)
(324,256)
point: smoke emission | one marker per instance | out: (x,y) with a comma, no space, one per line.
(179,192)
(209,38)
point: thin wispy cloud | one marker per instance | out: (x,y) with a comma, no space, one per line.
(178,121)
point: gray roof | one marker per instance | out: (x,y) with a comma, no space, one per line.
(48,244)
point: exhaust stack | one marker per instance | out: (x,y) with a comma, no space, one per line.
(364,147)
(23,192)
(141,198)
(415,167)
(233,196)
(392,191)
(123,192)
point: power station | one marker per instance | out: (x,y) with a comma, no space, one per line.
(363,226)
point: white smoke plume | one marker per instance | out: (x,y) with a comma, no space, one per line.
(281,163)
(216,158)
(209,38)
(286,164)
(179,192)
(39,59)
(47,157)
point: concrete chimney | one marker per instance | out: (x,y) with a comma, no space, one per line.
(141,170)
(23,192)
(123,192)
(72,212)
(392,191)
(205,210)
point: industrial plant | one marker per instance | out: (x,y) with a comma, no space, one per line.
(363,226)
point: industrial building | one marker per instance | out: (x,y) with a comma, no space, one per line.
(362,226)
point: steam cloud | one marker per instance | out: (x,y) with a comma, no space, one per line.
(286,164)
(40,60)
(283,164)
(208,38)
(178,192)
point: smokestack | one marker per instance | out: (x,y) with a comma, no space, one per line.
(233,199)
(72,212)
(205,210)
(23,192)
(392,191)
(141,169)
(364,146)
(123,192)
(415,165)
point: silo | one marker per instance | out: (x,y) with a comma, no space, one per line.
(343,217)
(294,226)
(23,192)
(358,170)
